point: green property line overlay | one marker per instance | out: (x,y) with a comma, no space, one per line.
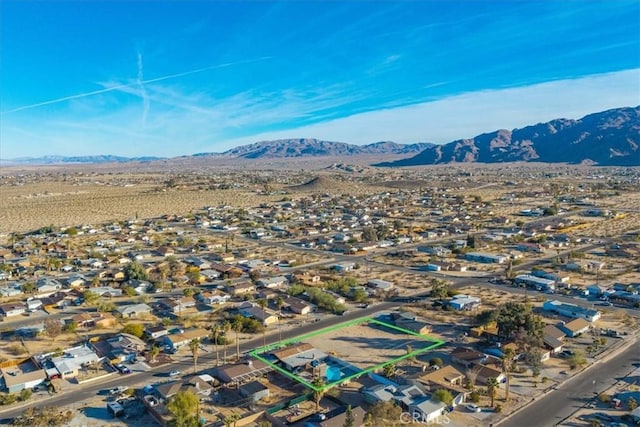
(435,343)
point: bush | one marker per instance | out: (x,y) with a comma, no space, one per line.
(8,399)
(135,329)
(604,397)
(498,408)
(25,394)
(475,397)
(436,361)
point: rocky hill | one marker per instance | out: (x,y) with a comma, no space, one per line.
(310,147)
(607,138)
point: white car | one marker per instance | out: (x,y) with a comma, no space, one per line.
(174,373)
(471,407)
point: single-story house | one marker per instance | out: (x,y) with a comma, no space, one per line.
(380,285)
(571,310)
(97,319)
(156,331)
(254,391)
(212,297)
(12,309)
(107,291)
(464,302)
(298,306)
(337,418)
(575,327)
(266,317)
(177,341)
(196,384)
(241,372)
(73,360)
(485,372)
(273,282)
(14,379)
(133,310)
(467,357)
(427,410)
(240,289)
(448,377)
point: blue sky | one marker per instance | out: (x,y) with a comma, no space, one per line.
(180,77)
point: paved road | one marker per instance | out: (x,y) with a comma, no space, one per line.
(205,360)
(574,393)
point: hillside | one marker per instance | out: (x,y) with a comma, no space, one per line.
(310,147)
(608,138)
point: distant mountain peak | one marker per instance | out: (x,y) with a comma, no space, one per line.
(312,147)
(607,138)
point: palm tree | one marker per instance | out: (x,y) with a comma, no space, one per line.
(194,346)
(318,391)
(237,327)
(155,350)
(226,327)
(215,334)
(507,365)
(492,385)
(263,304)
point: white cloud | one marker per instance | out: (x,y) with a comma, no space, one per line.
(470,114)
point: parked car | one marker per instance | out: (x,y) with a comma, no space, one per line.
(117,390)
(174,373)
(123,369)
(472,407)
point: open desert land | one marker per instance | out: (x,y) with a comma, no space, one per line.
(367,344)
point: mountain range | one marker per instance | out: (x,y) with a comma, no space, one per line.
(607,138)
(310,147)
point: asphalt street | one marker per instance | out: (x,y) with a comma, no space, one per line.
(205,360)
(576,392)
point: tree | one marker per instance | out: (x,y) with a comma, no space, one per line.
(436,361)
(237,327)
(518,318)
(385,411)
(27,287)
(52,327)
(194,276)
(263,304)
(129,291)
(226,328)
(534,358)
(135,271)
(389,370)
(507,365)
(215,335)
(439,289)
(135,329)
(194,346)
(154,352)
(444,396)
(90,298)
(632,404)
(369,234)
(349,420)
(492,387)
(231,419)
(71,327)
(183,406)
(577,359)
(318,391)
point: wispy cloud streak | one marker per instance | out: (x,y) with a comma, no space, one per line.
(128,85)
(143,91)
